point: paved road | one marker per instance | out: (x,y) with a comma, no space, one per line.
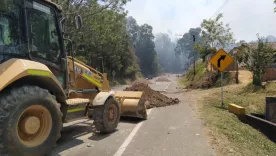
(173,130)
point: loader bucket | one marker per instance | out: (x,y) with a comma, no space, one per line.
(132,104)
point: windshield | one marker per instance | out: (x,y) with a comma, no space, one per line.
(10,35)
(43,32)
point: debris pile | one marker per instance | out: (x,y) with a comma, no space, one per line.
(206,82)
(162,79)
(153,98)
(143,81)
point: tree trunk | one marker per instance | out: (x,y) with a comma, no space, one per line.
(257,79)
(237,70)
(203,59)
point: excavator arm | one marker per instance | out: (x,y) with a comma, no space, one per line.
(78,71)
(84,77)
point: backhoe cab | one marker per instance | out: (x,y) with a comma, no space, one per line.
(41,87)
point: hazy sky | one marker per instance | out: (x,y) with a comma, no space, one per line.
(246,17)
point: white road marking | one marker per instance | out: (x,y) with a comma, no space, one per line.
(167,86)
(123,147)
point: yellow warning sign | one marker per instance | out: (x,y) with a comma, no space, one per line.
(221,60)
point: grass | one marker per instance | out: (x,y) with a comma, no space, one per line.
(183,81)
(228,78)
(189,76)
(199,70)
(251,97)
(231,136)
(202,74)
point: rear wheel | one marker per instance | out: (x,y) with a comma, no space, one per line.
(106,117)
(30,121)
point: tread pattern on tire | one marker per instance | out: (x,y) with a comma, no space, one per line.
(9,101)
(98,116)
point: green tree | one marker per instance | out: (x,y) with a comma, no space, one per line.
(204,50)
(167,59)
(142,38)
(257,60)
(103,35)
(215,33)
(133,30)
(274,3)
(145,51)
(186,44)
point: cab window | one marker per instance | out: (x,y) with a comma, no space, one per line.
(43,32)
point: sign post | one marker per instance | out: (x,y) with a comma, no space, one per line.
(221,60)
(221,86)
(113,74)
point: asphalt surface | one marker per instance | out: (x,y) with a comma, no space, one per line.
(174,130)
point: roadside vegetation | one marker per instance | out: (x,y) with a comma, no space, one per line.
(204,79)
(251,58)
(228,134)
(110,40)
(189,76)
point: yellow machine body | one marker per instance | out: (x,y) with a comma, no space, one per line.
(79,81)
(132,104)
(85,77)
(19,71)
(42,87)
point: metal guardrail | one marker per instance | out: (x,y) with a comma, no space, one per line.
(256,121)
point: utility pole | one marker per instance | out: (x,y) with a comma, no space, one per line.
(194,53)
(258,60)
(237,67)
(102,64)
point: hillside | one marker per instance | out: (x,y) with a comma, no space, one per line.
(204,79)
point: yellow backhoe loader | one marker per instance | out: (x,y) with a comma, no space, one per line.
(43,86)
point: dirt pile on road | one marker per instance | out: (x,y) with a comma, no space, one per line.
(206,82)
(153,98)
(162,79)
(141,81)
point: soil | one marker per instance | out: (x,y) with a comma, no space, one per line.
(162,79)
(245,76)
(143,81)
(153,98)
(206,82)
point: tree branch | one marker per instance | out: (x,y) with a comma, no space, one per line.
(102,9)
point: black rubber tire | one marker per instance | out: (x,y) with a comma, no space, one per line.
(100,119)
(90,113)
(12,104)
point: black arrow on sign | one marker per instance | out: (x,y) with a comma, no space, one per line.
(222,57)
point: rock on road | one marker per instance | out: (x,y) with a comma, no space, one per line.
(173,130)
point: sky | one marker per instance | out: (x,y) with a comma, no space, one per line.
(175,17)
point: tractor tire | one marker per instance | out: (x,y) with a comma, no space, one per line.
(106,117)
(90,113)
(30,122)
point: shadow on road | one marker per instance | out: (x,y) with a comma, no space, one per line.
(70,136)
(99,136)
(130,120)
